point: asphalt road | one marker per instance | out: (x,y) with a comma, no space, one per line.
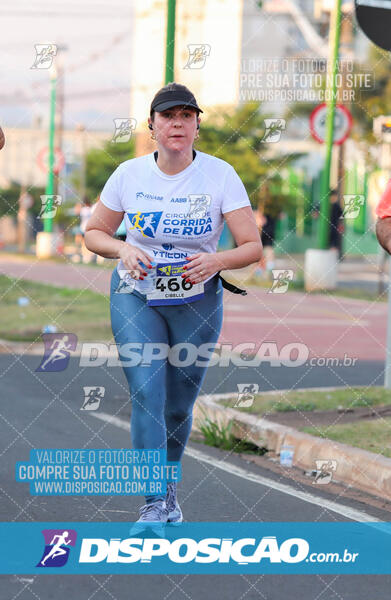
(42,410)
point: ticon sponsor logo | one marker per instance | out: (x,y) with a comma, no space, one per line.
(187,550)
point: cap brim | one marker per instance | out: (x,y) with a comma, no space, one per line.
(172,103)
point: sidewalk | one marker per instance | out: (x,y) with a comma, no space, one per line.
(329,326)
(355,467)
(354,271)
(358,272)
(341,325)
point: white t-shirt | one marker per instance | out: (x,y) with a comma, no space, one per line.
(171,217)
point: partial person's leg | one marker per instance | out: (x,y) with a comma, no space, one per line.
(269,257)
(196,323)
(133,321)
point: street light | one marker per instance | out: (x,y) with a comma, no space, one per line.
(45,241)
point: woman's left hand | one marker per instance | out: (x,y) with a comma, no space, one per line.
(201,266)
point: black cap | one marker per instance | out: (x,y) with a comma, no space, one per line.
(177,95)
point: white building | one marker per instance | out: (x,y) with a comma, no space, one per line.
(23,156)
(214,27)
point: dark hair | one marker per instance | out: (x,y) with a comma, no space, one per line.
(173,86)
(333,192)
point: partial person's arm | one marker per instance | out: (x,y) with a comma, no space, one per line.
(243,227)
(383,233)
(98,238)
(100,228)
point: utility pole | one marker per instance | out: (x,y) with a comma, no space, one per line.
(44,245)
(346,53)
(48,223)
(59,118)
(143,140)
(170,41)
(83,167)
(331,88)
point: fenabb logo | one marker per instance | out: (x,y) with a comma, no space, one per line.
(142,195)
(56,551)
(187,550)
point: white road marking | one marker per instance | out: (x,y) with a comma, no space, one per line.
(297,321)
(341,509)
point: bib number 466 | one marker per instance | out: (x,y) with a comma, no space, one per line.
(173,285)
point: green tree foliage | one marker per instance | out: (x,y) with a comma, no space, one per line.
(376,101)
(9,200)
(236,138)
(101,162)
(9,197)
(277,198)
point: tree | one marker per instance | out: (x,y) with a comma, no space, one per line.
(101,162)
(236,137)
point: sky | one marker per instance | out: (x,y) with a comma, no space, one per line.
(97,37)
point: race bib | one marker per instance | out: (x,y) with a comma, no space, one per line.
(171,288)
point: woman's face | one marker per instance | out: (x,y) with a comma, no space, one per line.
(175,128)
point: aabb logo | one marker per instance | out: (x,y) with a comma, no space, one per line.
(56,550)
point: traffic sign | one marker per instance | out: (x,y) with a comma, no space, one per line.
(43,160)
(374,18)
(342,123)
(382,128)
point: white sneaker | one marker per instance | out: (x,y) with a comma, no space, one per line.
(174,510)
(152,516)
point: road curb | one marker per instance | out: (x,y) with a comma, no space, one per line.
(354,467)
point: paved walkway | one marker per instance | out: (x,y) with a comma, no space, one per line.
(329,326)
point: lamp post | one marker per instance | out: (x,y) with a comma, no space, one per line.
(170,41)
(321,264)
(48,223)
(331,88)
(45,241)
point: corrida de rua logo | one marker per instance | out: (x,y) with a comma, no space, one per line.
(195,221)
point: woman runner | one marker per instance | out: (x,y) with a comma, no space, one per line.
(174,202)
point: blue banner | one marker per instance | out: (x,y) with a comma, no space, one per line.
(97,472)
(215,548)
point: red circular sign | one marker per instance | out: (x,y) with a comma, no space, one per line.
(43,160)
(343,122)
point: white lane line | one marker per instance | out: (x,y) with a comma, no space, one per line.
(233,318)
(341,509)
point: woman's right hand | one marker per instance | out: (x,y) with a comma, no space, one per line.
(131,257)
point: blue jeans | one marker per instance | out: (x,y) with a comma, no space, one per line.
(163,394)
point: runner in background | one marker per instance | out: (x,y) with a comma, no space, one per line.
(267,228)
(175,201)
(336,224)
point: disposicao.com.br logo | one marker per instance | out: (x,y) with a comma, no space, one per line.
(199,547)
(242,551)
